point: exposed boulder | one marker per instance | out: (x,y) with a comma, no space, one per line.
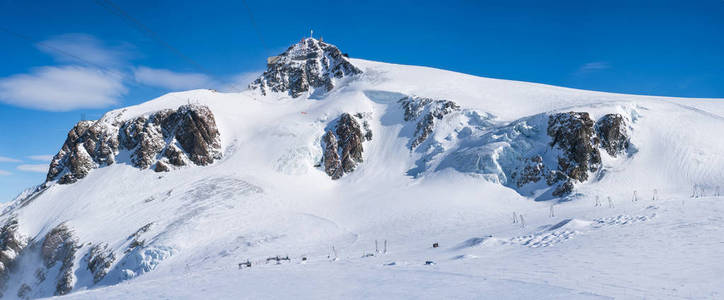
(167,137)
(425,111)
(613,132)
(573,134)
(61,246)
(306,66)
(343,146)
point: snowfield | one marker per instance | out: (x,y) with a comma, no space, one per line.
(185,234)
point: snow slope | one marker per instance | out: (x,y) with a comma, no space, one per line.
(266,197)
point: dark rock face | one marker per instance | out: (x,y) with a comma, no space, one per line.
(99,259)
(533,171)
(309,64)
(332,164)
(577,140)
(167,137)
(612,129)
(61,246)
(343,146)
(87,146)
(425,111)
(563,189)
(573,134)
(11,245)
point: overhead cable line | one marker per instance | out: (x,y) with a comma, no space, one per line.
(115,9)
(253,24)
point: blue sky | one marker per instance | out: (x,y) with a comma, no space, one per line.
(671,48)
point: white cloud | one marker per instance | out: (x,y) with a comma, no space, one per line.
(34,168)
(47,158)
(86,47)
(8,159)
(62,88)
(592,67)
(240,82)
(5,173)
(172,80)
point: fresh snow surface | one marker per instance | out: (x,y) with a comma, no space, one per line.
(266,198)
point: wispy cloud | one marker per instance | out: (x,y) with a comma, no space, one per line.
(38,168)
(5,173)
(172,80)
(592,67)
(62,88)
(240,81)
(87,47)
(8,159)
(47,158)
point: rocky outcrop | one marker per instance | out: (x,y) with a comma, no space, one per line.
(304,67)
(573,152)
(573,134)
(533,171)
(99,259)
(12,243)
(60,246)
(88,145)
(331,161)
(162,139)
(425,111)
(343,145)
(613,132)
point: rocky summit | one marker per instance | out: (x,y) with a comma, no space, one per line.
(308,66)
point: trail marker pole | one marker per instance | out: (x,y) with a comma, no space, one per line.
(552,214)
(522,221)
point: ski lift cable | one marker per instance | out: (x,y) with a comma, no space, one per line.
(253,24)
(115,9)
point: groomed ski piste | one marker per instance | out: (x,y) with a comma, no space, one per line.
(370,234)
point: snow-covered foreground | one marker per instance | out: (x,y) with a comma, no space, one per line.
(670,248)
(440,168)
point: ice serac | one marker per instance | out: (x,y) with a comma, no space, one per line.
(161,139)
(343,145)
(308,66)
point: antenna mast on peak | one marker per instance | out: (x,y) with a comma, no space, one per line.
(311,33)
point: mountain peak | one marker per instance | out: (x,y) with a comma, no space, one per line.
(310,65)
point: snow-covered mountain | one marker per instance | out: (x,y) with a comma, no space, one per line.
(352,169)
